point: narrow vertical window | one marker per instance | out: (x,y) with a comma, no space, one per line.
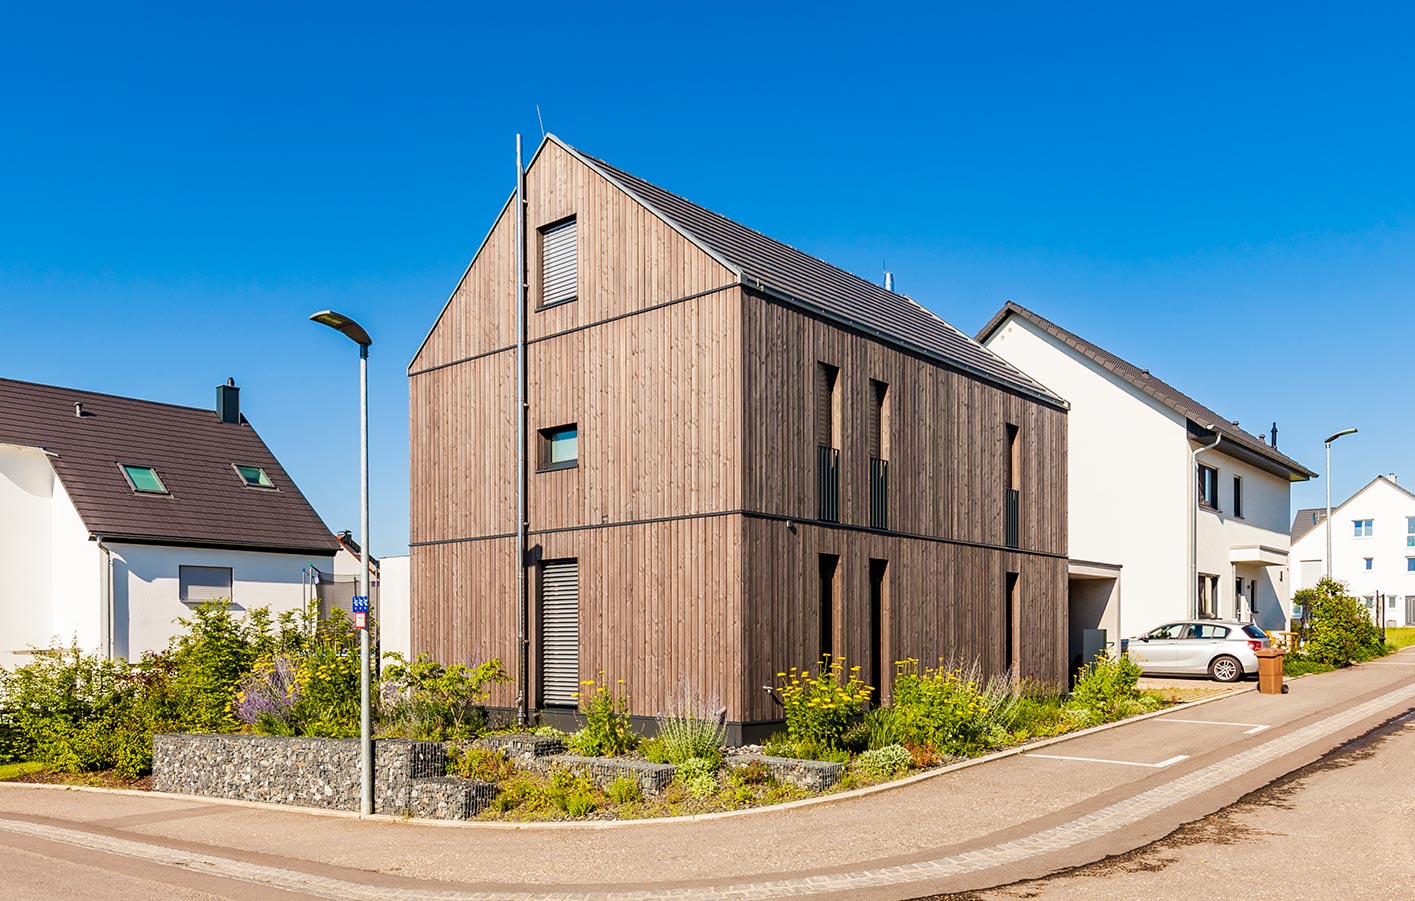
(559,276)
(879,454)
(1009,626)
(879,572)
(1012,480)
(825,618)
(1238,496)
(827,379)
(1208,487)
(827,429)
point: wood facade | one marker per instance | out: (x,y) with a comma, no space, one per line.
(693,508)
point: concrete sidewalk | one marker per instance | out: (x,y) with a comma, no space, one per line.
(1017,817)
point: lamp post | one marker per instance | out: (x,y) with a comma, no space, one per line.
(1330,567)
(355,332)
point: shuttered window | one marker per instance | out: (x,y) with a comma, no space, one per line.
(825,404)
(557,263)
(204,583)
(878,391)
(560,633)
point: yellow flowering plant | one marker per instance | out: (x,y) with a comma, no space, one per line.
(949,710)
(821,704)
(606,708)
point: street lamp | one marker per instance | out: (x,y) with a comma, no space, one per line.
(355,332)
(1330,567)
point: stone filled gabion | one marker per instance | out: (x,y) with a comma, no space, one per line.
(652,777)
(314,772)
(813,775)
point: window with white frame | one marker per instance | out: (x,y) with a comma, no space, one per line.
(1410,531)
(1364,528)
(204,583)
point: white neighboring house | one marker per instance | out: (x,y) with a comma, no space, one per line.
(1136,500)
(117,516)
(1372,548)
(392,589)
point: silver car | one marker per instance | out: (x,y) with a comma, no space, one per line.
(1226,651)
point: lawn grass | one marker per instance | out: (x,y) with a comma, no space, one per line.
(1400,636)
(10,771)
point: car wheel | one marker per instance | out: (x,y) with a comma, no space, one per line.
(1226,669)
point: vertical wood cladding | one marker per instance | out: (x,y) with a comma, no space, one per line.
(695,402)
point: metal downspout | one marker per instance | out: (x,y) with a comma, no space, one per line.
(522,640)
(1194,522)
(106,600)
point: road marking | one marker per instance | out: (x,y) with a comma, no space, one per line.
(1099,823)
(1257,727)
(1154,766)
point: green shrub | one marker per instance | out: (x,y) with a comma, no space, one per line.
(1298,665)
(550,732)
(1106,690)
(427,701)
(949,711)
(1341,631)
(695,767)
(211,657)
(820,706)
(654,750)
(480,764)
(606,732)
(625,790)
(885,762)
(751,774)
(691,728)
(1038,717)
(883,728)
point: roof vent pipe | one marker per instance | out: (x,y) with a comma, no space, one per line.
(78,410)
(1274,441)
(228,403)
(889,281)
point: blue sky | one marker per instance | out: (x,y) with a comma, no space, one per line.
(1224,196)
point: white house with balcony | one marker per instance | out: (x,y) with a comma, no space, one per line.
(1175,512)
(1372,548)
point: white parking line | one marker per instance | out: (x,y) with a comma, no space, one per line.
(1154,766)
(1257,727)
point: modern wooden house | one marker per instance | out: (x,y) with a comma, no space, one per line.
(740,458)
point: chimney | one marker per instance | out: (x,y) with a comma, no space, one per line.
(1393,478)
(228,403)
(1274,441)
(889,281)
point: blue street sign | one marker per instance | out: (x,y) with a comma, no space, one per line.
(361,603)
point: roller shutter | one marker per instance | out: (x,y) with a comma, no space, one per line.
(557,255)
(560,632)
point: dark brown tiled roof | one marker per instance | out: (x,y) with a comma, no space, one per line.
(1158,389)
(784,271)
(192,451)
(1306,520)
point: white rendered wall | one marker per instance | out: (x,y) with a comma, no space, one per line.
(76,579)
(1132,486)
(395,618)
(1388,547)
(147,588)
(1127,465)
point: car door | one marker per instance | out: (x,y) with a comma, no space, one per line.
(1198,647)
(1154,650)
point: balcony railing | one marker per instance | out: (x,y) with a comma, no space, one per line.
(879,493)
(1014,518)
(828,483)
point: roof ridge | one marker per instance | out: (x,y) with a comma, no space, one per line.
(136,400)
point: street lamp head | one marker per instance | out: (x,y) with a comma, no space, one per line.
(340,322)
(1339,434)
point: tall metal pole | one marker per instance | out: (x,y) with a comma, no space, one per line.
(522,640)
(365,702)
(1328,561)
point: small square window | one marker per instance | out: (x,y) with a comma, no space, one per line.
(198,584)
(143,479)
(1410,564)
(560,447)
(253,476)
(1363,528)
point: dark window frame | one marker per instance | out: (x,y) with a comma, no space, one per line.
(133,486)
(544,441)
(1207,476)
(246,483)
(540,263)
(1238,497)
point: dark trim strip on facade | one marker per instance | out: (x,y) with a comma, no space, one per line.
(581,328)
(753,514)
(158,541)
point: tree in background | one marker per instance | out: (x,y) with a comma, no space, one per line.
(1340,631)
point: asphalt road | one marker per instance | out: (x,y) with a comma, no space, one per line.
(1343,827)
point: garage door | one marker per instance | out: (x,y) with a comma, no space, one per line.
(560,632)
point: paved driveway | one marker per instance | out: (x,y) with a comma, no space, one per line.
(1022,816)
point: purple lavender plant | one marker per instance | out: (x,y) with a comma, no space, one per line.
(266,698)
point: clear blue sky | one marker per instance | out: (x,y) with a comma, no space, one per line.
(1226,197)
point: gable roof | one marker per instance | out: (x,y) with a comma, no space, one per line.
(778,269)
(1257,450)
(1306,520)
(193,452)
(1314,517)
